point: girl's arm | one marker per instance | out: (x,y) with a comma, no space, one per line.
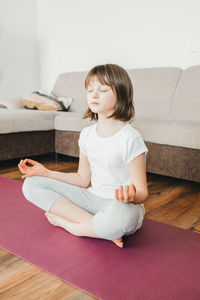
(137,191)
(70,178)
(80,178)
(141,196)
(137,175)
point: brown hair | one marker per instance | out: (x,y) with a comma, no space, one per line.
(118,79)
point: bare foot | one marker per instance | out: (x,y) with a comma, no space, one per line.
(119,242)
(59,221)
(56,220)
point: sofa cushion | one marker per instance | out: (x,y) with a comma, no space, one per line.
(72,85)
(20,120)
(186,105)
(3,106)
(71,121)
(154,91)
(183,134)
(41,101)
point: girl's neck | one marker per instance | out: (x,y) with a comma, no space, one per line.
(104,124)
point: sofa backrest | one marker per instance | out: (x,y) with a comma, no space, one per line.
(154,90)
(186,104)
(71,85)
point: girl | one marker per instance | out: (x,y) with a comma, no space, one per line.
(112,157)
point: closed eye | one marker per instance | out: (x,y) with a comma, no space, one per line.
(103,91)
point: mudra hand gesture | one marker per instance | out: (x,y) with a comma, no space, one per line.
(35,169)
(127,194)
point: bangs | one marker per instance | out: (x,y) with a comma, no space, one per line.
(100,73)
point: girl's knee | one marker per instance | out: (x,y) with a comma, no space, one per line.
(117,219)
(129,215)
(28,185)
(125,211)
(35,180)
(31,180)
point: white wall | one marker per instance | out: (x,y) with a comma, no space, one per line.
(78,34)
(39,39)
(18,48)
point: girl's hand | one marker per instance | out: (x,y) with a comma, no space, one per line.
(126,195)
(35,169)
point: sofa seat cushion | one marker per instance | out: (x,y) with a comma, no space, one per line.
(21,120)
(183,134)
(71,121)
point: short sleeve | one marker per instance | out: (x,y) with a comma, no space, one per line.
(82,143)
(135,147)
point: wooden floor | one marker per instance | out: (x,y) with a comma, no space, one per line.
(171,201)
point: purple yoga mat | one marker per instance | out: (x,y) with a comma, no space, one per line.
(158,262)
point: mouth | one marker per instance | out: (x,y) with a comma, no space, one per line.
(95,103)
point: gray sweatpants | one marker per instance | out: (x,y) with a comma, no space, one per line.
(112,218)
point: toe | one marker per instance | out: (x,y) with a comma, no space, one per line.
(48,215)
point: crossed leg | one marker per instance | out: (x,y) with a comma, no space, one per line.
(65,214)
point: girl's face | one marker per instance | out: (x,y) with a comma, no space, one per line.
(100,98)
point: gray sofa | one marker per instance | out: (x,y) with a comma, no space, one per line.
(167,104)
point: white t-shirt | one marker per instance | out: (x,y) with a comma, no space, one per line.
(109,157)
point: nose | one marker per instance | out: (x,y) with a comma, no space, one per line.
(95,94)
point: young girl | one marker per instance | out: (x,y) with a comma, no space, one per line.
(112,157)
